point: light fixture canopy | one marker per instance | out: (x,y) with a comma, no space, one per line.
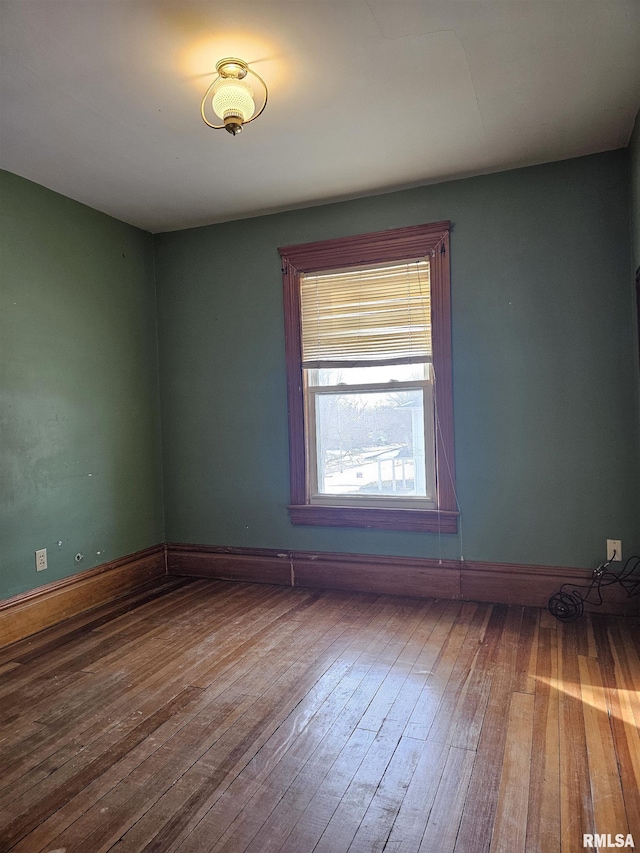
(231,97)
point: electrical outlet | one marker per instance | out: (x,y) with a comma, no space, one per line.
(614,545)
(41,560)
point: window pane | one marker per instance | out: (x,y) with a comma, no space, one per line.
(371,443)
(363,375)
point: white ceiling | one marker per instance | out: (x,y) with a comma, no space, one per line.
(101,98)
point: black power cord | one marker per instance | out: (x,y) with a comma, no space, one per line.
(567,605)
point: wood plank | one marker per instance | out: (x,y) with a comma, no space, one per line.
(628,658)
(347,817)
(479,811)
(444,819)
(242,717)
(311,823)
(72,663)
(378,820)
(468,716)
(239,795)
(33,648)
(143,690)
(395,700)
(527,651)
(608,803)
(447,716)
(410,822)
(204,766)
(510,826)
(620,696)
(201,721)
(592,646)
(308,797)
(297,795)
(547,620)
(576,807)
(30,818)
(81,725)
(433,667)
(543,824)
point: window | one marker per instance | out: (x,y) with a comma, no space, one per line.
(368,346)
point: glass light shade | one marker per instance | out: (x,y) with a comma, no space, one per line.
(233,97)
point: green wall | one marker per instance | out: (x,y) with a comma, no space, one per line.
(545,374)
(545,369)
(634,156)
(79,425)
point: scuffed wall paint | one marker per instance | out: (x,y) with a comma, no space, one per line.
(79,427)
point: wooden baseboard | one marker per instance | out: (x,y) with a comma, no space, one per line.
(253,565)
(379,574)
(29,612)
(500,583)
(508,583)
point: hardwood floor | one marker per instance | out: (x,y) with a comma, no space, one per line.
(215,716)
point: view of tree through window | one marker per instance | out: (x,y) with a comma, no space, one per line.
(370,441)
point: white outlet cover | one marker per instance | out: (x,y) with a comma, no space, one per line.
(614,545)
(41,560)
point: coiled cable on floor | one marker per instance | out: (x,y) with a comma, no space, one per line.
(567,604)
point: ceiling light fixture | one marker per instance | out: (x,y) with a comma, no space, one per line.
(233,98)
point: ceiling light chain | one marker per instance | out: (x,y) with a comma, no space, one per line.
(232,97)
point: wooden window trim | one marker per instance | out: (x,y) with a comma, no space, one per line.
(399,244)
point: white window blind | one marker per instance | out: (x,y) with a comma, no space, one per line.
(376,315)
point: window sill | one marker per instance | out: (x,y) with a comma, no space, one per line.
(426,520)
